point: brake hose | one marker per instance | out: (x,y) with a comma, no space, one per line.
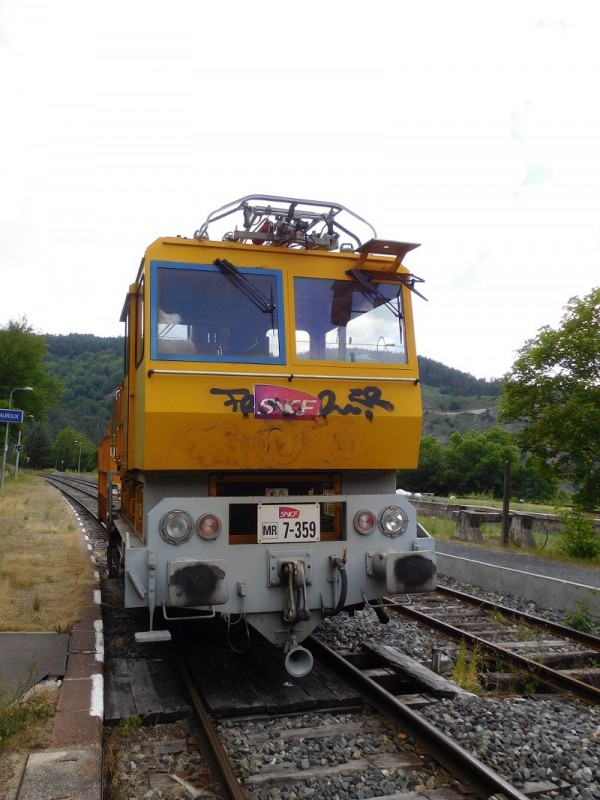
(340,565)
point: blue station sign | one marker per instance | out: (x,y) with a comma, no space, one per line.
(10,415)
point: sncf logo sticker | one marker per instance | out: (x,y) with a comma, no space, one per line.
(280,402)
(287,512)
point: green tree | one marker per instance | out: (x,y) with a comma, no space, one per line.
(22,365)
(553,392)
(73,450)
(38,447)
(430,474)
(89,454)
(529,480)
(475,461)
(90,369)
(22,355)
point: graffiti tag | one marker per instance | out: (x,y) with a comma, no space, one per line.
(358,401)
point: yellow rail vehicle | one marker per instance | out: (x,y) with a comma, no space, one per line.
(270,392)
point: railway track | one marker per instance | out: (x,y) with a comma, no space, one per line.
(534,651)
(312,746)
(82,491)
(251,754)
(82,494)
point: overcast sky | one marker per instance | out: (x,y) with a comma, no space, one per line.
(470,127)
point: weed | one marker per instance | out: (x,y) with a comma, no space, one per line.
(465,672)
(531,686)
(59,628)
(497,618)
(582,619)
(538,656)
(128,726)
(17,710)
(113,784)
(524,633)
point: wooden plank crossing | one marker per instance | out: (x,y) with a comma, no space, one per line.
(141,688)
(231,684)
(222,684)
(256,682)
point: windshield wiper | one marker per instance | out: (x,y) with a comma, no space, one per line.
(372,293)
(246,287)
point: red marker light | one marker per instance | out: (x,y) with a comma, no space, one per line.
(208,526)
(364,522)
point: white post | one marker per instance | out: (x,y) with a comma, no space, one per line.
(18,454)
(29,416)
(4,457)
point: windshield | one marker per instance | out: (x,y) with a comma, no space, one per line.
(200,314)
(342,321)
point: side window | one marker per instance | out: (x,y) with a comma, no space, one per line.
(126,318)
(199,314)
(339,321)
(139,323)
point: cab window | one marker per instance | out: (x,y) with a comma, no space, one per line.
(340,321)
(199,314)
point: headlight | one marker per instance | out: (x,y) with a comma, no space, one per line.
(393,521)
(364,522)
(176,527)
(208,526)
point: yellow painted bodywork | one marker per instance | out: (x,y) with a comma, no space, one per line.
(173,422)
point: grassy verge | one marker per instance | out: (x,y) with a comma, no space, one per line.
(23,718)
(45,577)
(548,544)
(491,502)
(44,571)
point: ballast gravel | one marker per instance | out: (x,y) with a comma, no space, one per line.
(546,746)
(334,748)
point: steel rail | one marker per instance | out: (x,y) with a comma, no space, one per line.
(580,637)
(444,750)
(63,486)
(549,677)
(224,782)
(74,484)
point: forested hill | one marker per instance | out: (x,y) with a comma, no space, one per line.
(455,382)
(455,401)
(90,369)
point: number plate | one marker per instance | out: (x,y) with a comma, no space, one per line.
(297,522)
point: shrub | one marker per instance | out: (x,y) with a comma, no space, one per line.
(578,539)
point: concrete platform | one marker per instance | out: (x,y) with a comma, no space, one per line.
(72,766)
(28,658)
(72,773)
